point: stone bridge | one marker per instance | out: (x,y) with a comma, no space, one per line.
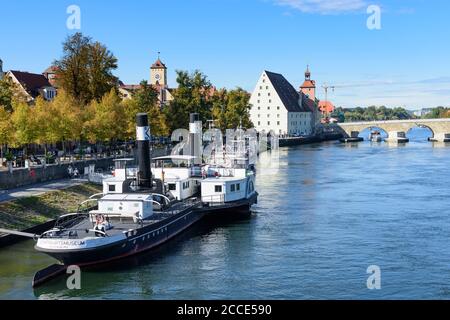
(398,128)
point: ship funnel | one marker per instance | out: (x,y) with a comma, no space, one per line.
(195,137)
(143,142)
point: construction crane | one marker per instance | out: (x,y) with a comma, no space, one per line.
(327,87)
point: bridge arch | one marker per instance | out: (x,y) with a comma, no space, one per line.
(365,133)
(418,125)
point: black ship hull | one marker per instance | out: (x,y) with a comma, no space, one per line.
(140,240)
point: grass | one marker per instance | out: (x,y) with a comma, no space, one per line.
(28,212)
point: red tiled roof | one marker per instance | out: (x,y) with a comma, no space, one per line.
(158,64)
(308,84)
(31,82)
(326,106)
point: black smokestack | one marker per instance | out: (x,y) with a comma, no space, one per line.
(143,142)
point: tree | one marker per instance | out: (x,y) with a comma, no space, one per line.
(193,95)
(70,117)
(23,121)
(85,69)
(232,109)
(145,100)
(9,92)
(106,120)
(6,130)
(46,123)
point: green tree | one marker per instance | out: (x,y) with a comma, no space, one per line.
(9,93)
(145,100)
(46,123)
(6,129)
(192,95)
(70,117)
(85,69)
(232,109)
(106,120)
(24,125)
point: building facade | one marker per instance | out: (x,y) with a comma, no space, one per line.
(278,107)
(32,85)
(158,80)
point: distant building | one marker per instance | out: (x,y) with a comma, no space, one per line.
(32,85)
(276,106)
(422,112)
(326,107)
(158,80)
(308,88)
(50,74)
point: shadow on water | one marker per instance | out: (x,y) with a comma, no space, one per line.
(100,279)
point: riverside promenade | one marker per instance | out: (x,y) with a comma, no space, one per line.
(39,189)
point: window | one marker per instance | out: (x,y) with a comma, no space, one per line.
(259,123)
(112,187)
(259,115)
(270,101)
(259,94)
(268,123)
(264,80)
(238,187)
(278,108)
(268,108)
(259,108)
(233,188)
(172,187)
(259,101)
(267,87)
(278,115)
(268,94)
(218,188)
(268,116)
(260,87)
(278,123)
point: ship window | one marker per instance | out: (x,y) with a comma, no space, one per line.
(112,187)
(238,187)
(218,188)
(233,188)
(172,187)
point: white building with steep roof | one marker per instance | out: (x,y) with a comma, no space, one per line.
(278,107)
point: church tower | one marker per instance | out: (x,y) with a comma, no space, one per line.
(158,74)
(1,69)
(309,86)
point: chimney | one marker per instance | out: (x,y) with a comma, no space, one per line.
(143,141)
(195,137)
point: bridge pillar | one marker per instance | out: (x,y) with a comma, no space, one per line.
(354,137)
(397,136)
(441,137)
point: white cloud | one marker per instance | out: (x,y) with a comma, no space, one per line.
(325,6)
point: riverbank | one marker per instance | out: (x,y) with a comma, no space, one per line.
(29,212)
(296,141)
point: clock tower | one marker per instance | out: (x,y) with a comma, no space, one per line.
(158,73)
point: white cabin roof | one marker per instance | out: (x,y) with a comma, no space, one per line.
(175,157)
(128,197)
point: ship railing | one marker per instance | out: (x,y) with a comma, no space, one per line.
(214,200)
(183,205)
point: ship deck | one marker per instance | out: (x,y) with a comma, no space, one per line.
(82,225)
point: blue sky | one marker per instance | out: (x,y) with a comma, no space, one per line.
(406,63)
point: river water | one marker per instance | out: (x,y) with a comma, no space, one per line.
(328,213)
